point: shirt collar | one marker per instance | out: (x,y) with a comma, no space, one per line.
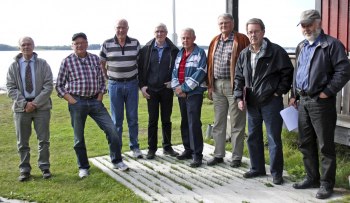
(263,46)
(164,45)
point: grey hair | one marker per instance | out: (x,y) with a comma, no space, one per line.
(122,20)
(226,16)
(190,30)
(256,21)
(161,25)
(20,40)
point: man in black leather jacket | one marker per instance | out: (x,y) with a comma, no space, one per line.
(322,69)
(263,73)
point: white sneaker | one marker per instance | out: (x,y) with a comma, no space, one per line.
(121,166)
(137,153)
(83,173)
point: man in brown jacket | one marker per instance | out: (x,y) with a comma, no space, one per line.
(223,52)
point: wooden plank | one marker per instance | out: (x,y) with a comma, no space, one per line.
(333,18)
(325,16)
(343,22)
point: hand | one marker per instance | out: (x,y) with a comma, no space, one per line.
(210,93)
(323,95)
(144,92)
(30,107)
(168,84)
(178,90)
(100,97)
(241,105)
(293,102)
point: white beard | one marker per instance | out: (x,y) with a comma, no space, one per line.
(313,37)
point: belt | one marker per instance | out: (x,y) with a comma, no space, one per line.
(85,97)
(123,79)
(29,99)
(301,92)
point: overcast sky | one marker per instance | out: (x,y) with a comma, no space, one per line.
(53,22)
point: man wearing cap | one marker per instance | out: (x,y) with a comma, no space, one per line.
(29,85)
(119,57)
(322,69)
(81,82)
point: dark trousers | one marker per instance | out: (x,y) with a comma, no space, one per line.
(317,121)
(191,125)
(270,115)
(162,100)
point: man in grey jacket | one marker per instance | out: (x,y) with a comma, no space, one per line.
(29,85)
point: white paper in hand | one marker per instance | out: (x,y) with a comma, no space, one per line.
(290,117)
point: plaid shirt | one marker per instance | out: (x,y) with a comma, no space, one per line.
(222,58)
(80,76)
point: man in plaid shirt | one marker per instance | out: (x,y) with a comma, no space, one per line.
(81,82)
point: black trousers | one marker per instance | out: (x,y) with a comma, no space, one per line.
(317,121)
(162,100)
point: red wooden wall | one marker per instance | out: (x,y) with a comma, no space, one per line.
(336,19)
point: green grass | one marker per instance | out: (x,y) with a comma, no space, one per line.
(66,186)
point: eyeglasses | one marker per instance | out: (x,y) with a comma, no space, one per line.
(160,31)
(79,43)
(255,32)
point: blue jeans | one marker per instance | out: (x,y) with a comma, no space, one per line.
(97,111)
(270,115)
(191,125)
(127,93)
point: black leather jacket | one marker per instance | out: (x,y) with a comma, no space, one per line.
(329,67)
(273,74)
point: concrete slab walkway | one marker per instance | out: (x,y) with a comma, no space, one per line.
(166,179)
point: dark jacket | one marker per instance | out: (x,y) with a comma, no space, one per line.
(144,61)
(329,67)
(273,74)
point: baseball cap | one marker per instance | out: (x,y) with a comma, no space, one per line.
(309,16)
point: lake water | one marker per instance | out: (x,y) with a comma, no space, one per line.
(53,58)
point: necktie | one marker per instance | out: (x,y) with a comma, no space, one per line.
(28,78)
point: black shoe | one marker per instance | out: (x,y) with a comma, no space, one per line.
(184,155)
(306,183)
(253,174)
(196,163)
(236,163)
(215,161)
(24,176)
(278,180)
(150,154)
(170,152)
(324,192)
(46,173)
